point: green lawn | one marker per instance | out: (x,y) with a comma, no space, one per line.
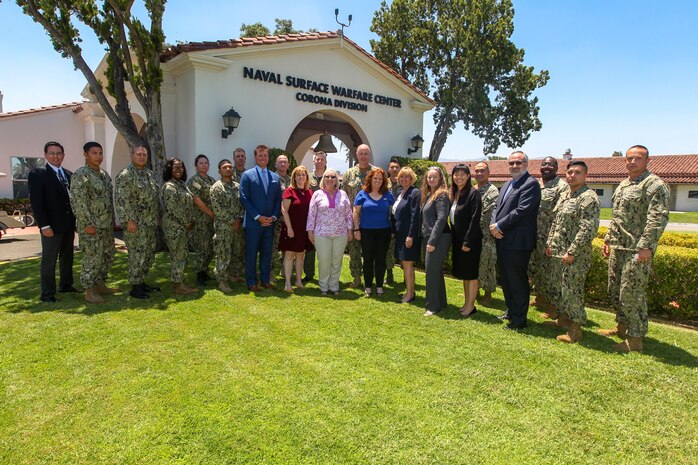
(674,217)
(305,379)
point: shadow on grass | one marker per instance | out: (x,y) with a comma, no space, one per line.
(660,350)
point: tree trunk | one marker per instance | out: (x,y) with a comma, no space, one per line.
(443,129)
(155,134)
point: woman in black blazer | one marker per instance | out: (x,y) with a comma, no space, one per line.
(405,219)
(437,237)
(467,236)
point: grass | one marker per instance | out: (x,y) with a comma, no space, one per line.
(305,379)
(674,217)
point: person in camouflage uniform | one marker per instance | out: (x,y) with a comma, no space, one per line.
(177,221)
(569,247)
(201,235)
(352,181)
(228,211)
(319,167)
(640,214)
(546,284)
(239,160)
(93,205)
(138,206)
(277,260)
(393,169)
(488,255)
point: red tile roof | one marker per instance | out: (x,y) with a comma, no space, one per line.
(77,108)
(673,169)
(172,52)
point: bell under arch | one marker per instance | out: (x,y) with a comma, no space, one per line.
(308,131)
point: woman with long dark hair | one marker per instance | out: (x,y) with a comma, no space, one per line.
(466,206)
(177,221)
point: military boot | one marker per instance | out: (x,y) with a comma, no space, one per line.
(183,289)
(138,292)
(223,286)
(93,297)
(539,302)
(356,283)
(562,322)
(620,330)
(104,290)
(551,314)
(630,344)
(573,335)
(485,299)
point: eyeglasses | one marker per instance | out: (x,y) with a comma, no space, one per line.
(330,177)
(516,163)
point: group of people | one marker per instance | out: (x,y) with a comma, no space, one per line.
(536,232)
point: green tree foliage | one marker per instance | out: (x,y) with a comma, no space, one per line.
(460,52)
(617,153)
(133,57)
(254,30)
(281,26)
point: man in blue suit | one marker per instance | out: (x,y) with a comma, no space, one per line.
(260,194)
(513,225)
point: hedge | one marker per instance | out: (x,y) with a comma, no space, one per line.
(673,288)
(674,239)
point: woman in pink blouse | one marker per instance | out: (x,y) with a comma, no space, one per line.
(329,228)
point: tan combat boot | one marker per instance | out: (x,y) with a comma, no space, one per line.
(620,330)
(485,299)
(103,289)
(93,297)
(182,289)
(562,322)
(574,334)
(551,314)
(356,284)
(223,286)
(631,344)
(538,301)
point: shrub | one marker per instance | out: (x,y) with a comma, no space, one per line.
(673,288)
(674,239)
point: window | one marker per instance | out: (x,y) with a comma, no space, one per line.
(21,166)
(693,194)
(599,192)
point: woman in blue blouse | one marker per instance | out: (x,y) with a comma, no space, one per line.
(372,227)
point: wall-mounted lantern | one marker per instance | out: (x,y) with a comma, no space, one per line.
(417,142)
(231,120)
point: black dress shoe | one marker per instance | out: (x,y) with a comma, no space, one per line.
(148,288)
(504,316)
(306,279)
(468,315)
(68,289)
(513,327)
(49,298)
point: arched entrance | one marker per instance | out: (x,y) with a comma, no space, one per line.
(308,131)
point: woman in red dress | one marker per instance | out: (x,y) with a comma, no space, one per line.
(294,241)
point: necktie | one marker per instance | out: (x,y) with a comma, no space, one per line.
(62,179)
(265,180)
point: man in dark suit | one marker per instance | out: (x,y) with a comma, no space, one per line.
(513,225)
(260,194)
(49,195)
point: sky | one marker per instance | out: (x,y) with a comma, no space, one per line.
(622,72)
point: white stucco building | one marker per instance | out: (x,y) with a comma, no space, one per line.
(288,90)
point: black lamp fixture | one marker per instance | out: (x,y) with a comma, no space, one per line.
(336,18)
(231,120)
(417,142)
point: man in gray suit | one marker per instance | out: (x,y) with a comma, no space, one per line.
(513,225)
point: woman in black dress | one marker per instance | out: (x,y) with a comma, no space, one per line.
(466,206)
(405,219)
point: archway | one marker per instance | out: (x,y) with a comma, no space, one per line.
(308,131)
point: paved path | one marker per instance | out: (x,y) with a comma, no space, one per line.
(25,243)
